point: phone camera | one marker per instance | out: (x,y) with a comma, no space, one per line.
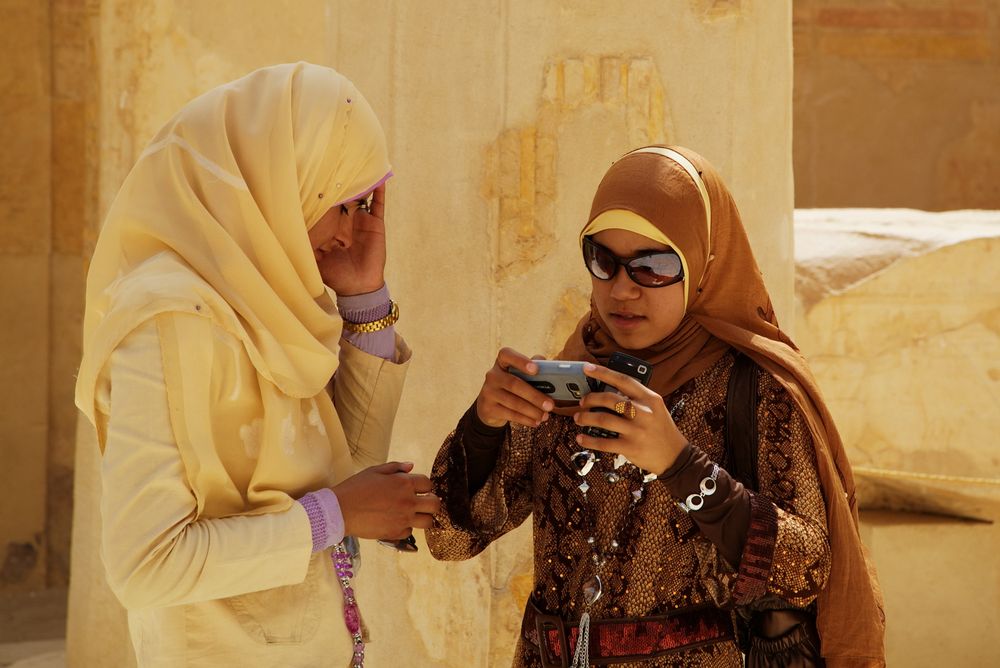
(543,386)
(574,389)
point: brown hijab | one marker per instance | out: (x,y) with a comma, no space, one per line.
(728,306)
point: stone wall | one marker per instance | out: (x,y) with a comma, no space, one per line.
(897,103)
(47,205)
(500,120)
(25,279)
(899,316)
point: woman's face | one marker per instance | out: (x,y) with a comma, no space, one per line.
(637,317)
(335,229)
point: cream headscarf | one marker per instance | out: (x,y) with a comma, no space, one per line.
(216,210)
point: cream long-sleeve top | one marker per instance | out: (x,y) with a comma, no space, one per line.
(205,585)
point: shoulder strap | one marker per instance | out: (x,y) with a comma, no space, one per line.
(741,421)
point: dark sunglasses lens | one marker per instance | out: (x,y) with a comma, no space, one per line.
(600,263)
(656,270)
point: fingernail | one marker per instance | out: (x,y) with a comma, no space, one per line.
(532,368)
(589,367)
(548,405)
(579,439)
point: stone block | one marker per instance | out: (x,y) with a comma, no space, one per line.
(899,317)
(25,106)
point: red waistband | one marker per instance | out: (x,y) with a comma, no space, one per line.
(627,639)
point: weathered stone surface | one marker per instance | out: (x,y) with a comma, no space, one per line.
(897,104)
(900,320)
(24,362)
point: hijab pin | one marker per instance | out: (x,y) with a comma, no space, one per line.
(348,100)
(320,195)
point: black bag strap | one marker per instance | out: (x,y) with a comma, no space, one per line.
(741,421)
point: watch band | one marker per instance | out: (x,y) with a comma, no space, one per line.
(375,325)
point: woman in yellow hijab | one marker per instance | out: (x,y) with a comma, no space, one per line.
(235,401)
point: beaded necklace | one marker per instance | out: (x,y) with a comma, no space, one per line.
(583,462)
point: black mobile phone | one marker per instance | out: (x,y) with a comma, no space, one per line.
(629,365)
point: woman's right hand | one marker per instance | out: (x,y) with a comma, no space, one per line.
(386,502)
(507,398)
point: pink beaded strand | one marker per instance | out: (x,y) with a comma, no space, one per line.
(352,617)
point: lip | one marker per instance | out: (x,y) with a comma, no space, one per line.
(626,320)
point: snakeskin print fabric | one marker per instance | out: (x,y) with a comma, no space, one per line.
(663,562)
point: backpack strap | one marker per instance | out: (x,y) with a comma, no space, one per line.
(741,421)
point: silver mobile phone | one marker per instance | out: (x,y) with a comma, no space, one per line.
(560,379)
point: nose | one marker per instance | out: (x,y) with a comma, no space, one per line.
(623,288)
(343,233)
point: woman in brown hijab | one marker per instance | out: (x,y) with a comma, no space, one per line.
(649,550)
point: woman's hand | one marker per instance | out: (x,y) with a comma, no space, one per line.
(507,398)
(650,440)
(386,502)
(355,263)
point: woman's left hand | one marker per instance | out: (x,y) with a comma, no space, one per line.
(650,440)
(359,267)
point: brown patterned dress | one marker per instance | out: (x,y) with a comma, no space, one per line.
(666,559)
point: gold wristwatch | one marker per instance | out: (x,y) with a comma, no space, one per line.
(375,325)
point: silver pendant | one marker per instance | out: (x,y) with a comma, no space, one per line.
(583,461)
(592,590)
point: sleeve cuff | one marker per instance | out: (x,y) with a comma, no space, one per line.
(325,518)
(365,307)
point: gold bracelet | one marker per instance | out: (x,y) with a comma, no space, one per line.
(375,325)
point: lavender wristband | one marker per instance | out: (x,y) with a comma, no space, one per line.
(369,307)
(325,518)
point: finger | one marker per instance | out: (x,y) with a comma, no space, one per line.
(393,467)
(421,483)
(377,207)
(501,413)
(520,397)
(601,399)
(508,358)
(427,504)
(609,421)
(627,385)
(511,391)
(603,444)
(610,399)
(423,521)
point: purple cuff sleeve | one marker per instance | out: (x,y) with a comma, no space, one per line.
(325,518)
(369,307)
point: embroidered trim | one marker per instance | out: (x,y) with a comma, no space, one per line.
(758,551)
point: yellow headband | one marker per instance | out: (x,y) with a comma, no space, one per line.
(622,219)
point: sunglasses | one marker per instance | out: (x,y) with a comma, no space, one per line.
(656,269)
(362,204)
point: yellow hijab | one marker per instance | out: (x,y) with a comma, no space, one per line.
(213,221)
(229,187)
